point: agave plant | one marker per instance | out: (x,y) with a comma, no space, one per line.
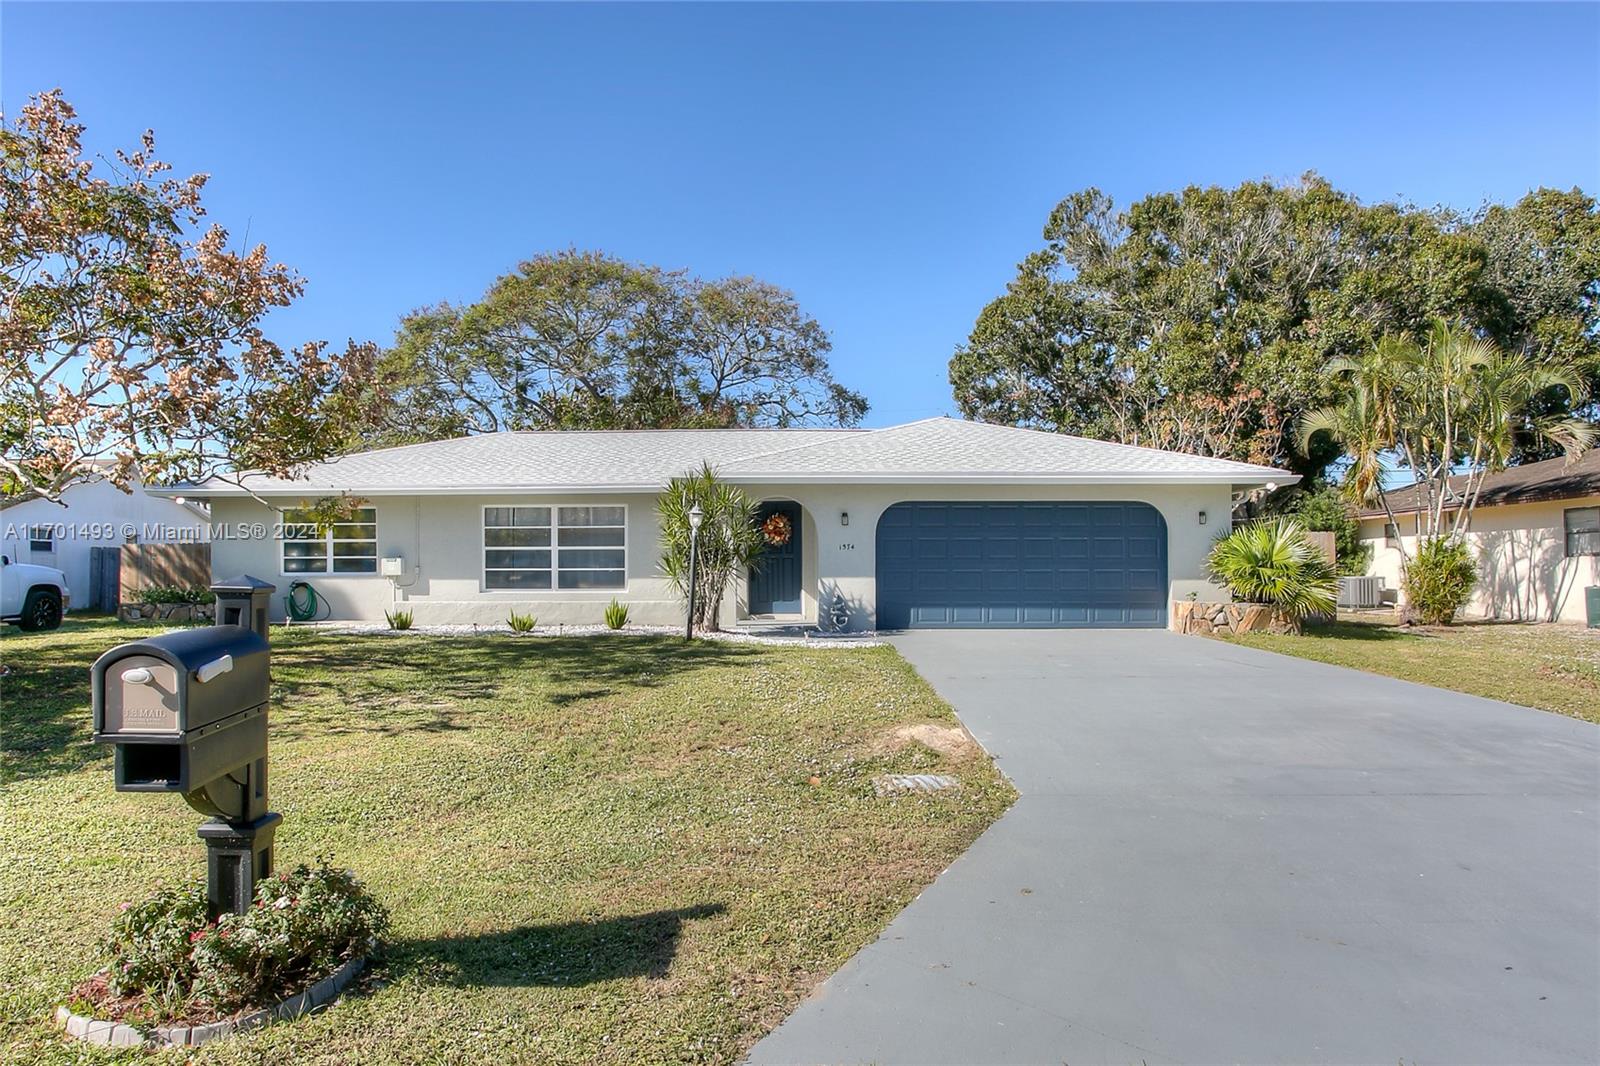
(1273,561)
(616,614)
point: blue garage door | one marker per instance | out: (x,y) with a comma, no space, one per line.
(966,565)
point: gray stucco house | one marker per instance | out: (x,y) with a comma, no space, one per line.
(939,522)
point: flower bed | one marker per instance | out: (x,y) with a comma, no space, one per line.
(172,970)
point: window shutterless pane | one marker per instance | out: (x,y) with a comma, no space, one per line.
(531,537)
(592,516)
(593,537)
(355,566)
(593,579)
(349,548)
(301,532)
(517,560)
(319,565)
(300,549)
(531,516)
(1582,519)
(517,579)
(355,531)
(592,559)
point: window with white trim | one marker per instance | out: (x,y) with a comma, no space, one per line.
(1582,526)
(560,547)
(349,546)
(1391,535)
(41,538)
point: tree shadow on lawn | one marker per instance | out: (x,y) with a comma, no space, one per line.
(45,720)
(565,955)
(1377,632)
(387,681)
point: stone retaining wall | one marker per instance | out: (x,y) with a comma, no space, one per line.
(167,612)
(1229,618)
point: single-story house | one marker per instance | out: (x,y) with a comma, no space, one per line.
(939,522)
(94,513)
(1535,533)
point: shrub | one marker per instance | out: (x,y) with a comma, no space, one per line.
(153,595)
(1272,561)
(398,619)
(1439,581)
(616,614)
(521,623)
(1327,510)
(303,925)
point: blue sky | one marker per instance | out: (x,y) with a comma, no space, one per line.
(890,164)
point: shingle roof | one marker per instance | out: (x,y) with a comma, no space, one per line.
(1550,479)
(938,449)
(952,449)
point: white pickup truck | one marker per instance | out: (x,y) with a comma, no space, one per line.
(34,597)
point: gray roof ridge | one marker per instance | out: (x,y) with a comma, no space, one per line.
(668,429)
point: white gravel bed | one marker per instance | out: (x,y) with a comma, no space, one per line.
(381,629)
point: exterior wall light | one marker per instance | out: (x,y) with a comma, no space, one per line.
(1202,518)
(844,518)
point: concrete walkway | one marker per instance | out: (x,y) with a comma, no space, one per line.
(1227,856)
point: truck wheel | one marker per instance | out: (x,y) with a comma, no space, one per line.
(41,610)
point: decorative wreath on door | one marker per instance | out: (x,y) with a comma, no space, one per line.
(777,529)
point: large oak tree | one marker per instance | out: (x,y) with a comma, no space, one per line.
(1204,320)
(583,340)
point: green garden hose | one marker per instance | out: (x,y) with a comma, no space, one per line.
(303,603)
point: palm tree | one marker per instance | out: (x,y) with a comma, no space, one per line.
(729,540)
(1454,401)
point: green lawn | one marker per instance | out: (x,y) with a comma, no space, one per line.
(1552,667)
(595,850)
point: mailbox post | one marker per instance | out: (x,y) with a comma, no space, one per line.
(186,712)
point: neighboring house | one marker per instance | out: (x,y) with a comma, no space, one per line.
(94,514)
(934,523)
(1535,534)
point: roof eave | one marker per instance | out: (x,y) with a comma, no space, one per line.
(592,488)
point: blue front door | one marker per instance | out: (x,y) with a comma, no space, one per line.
(775,579)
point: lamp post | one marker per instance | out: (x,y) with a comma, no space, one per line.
(696,516)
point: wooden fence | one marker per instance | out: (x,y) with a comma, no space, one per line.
(1326,542)
(142,565)
(105,579)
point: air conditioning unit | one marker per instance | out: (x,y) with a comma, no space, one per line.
(1360,591)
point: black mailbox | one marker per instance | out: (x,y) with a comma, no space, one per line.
(187,712)
(182,709)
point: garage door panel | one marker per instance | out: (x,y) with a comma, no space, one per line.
(1144,548)
(1036,564)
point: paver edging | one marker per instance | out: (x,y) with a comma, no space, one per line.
(117,1034)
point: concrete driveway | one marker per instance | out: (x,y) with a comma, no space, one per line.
(1228,856)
